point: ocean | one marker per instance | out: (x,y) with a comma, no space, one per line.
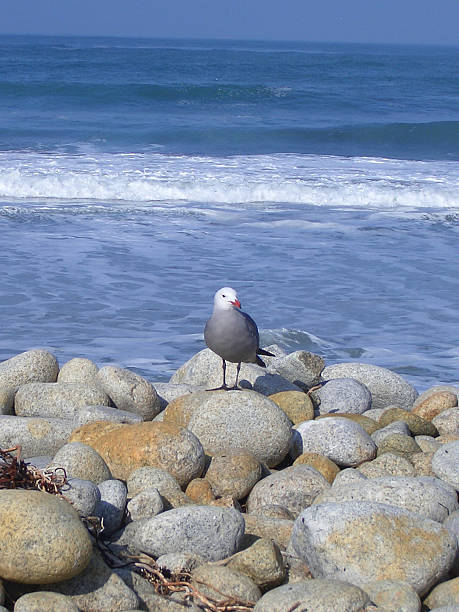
(319,180)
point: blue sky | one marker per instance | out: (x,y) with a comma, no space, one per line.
(392,21)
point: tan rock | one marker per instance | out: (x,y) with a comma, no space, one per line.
(447,422)
(262,562)
(258,526)
(180,409)
(125,448)
(422,463)
(418,426)
(45,600)
(220,583)
(297,405)
(200,491)
(434,404)
(398,444)
(322,464)
(388,464)
(89,433)
(234,473)
(444,594)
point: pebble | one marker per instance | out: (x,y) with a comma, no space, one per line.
(214,533)
(59,400)
(233,472)
(365,541)
(83,495)
(427,498)
(297,405)
(42,601)
(90,414)
(81,461)
(41,538)
(129,391)
(112,504)
(200,491)
(445,463)
(343,395)
(294,487)
(447,422)
(145,504)
(148,477)
(319,595)
(341,440)
(242,419)
(386,387)
(325,466)
(35,436)
(79,370)
(393,595)
(128,447)
(221,583)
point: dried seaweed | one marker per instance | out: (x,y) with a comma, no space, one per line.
(17,474)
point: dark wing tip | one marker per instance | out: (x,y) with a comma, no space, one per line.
(263,352)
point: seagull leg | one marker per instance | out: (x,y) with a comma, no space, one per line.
(224,387)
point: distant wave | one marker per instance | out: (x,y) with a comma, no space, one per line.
(293,179)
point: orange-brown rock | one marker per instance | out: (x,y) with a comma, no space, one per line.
(322,464)
(126,447)
(434,404)
(200,491)
(297,405)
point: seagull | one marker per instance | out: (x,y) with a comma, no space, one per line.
(233,334)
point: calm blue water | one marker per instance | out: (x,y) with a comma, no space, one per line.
(320,180)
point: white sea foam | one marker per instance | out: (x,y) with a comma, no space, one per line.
(284,178)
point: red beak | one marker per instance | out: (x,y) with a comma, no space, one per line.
(236,303)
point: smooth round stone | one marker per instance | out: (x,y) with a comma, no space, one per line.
(81,461)
(341,440)
(388,464)
(386,387)
(222,583)
(180,562)
(393,595)
(167,392)
(319,595)
(83,495)
(369,425)
(343,395)
(294,487)
(233,472)
(129,391)
(445,463)
(397,427)
(45,601)
(434,404)
(128,447)
(428,499)
(214,533)
(262,562)
(205,370)
(151,477)
(110,508)
(37,365)
(90,414)
(297,405)
(367,541)
(42,539)
(398,444)
(447,422)
(59,400)
(146,504)
(348,475)
(78,370)
(35,436)
(417,425)
(200,491)
(322,464)
(444,594)
(242,419)
(433,390)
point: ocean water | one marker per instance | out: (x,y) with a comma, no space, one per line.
(320,180)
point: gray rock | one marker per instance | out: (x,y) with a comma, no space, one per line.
(83,495)
(90,414)
(81,461)
(341,440)
(212,532)
(300,367)
(205,370)
(59,400)
(445,463)
(98,588)
(180,562)
(221,583)
(44,600)
(447,422)
(146,504)
(374,413)
(452,523)
(320,595)
(367,541)
(392,595)
(396,427)
(345,395)
(7,400)
(112,504)
(427,444)
(262,562)
(386,387)
(79,370)
(36,436)
(233,473)
(349,476)
(444,594)
(151,477)
(129,391)
(167,391)
(39,461)
(294,487)
(37,365)
(426,498)
(41,538)
(242,419)
(387,464)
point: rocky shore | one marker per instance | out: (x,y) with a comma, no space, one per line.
(315,487)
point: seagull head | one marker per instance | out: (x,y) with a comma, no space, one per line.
(226,298)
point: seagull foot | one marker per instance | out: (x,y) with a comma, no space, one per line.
(222,388)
